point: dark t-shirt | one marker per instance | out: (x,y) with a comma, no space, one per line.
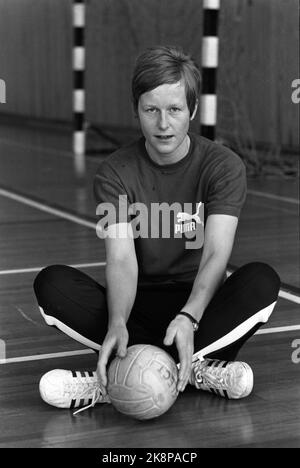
(172,201)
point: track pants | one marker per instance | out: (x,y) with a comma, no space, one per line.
(76,304)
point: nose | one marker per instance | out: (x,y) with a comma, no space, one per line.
(163,123)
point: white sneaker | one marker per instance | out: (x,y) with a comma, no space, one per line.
(231,380)
(71,389)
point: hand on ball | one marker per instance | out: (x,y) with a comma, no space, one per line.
(181,331)
(116,338)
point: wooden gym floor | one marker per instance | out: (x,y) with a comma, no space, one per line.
(46,217)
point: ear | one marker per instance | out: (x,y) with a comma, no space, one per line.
(195,110)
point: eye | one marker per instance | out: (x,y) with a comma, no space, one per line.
(174,109)
(151,110)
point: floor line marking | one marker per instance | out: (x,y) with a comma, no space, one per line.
(268,331)
(25,316)
(36,269)
(272,196)
(289,296)
(70,155)
(38,357)
(284,294)
(54,151)
(57,152)
(89,224)
(274,207)
(42,207)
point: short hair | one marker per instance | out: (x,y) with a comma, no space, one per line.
(165,65)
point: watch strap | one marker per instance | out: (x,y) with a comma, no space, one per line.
(192,319)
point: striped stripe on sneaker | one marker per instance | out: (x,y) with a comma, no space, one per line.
(71,389)
(232,380)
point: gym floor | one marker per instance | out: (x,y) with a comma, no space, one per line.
(47,216)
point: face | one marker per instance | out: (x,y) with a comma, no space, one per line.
(164,118)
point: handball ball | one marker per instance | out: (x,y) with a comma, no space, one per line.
(143,384)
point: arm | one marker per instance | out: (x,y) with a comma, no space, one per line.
(121,284)
(219,237)
(121,273)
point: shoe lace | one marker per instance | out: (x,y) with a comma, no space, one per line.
(96,396)
(84,388)
(81,387)
(211,376)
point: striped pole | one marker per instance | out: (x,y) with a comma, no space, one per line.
(209,65)
(78,82)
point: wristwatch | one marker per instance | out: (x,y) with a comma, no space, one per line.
(192,319)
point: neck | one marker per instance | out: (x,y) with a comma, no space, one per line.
(172,158)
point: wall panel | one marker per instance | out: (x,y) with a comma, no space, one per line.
(259,58)
(35,57)
(118,31)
